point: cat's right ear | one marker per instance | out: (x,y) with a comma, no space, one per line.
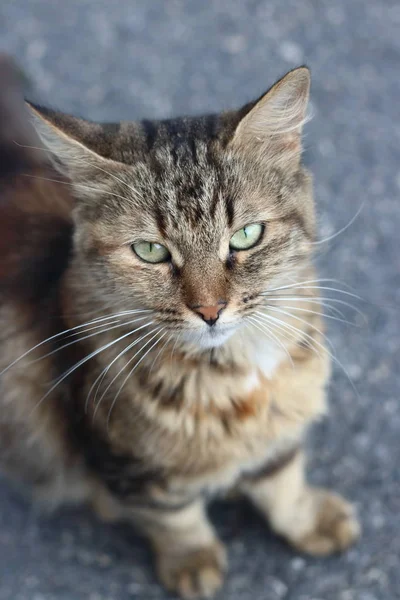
(78,149)
(271,127)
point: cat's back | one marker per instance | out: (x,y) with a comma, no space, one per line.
(35,240)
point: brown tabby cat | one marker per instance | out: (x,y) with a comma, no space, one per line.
(161,334)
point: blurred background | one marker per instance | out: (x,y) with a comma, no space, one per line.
(130,59)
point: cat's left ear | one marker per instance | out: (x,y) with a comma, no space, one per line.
(77,148)
(272,126)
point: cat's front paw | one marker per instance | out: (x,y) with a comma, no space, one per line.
(195,573)
(336,526)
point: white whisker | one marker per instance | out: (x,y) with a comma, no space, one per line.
(314,312)
(287,314)
(132,189)
(314,341)
(294,331)
(153,331)
(85,337)
(267,330)
(343,229)
(306,282)
(325,301)
(309,300)
(93,328)
(302,286)
(59,334)
(91,164)
(76,184)
(174,346)
(159,352)
(134,367)
(79,364)
(102,375)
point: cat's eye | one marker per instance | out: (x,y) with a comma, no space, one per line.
(151,252)
(247,237)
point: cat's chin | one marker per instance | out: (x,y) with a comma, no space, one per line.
(208,338)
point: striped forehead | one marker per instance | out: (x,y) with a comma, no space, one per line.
(189,186)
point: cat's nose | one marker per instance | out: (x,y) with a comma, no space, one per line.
(210,314)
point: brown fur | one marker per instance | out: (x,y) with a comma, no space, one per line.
(155,411)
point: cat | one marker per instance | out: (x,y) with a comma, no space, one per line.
(162,337)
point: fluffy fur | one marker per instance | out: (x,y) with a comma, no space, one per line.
(114,390)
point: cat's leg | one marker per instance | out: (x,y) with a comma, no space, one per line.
(190,559)
(313,520)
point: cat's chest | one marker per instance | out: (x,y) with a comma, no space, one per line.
(194,433)
(266,358)
(208,446)
(194,420)
(198,422)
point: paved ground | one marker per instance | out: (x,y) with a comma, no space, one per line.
(119,59)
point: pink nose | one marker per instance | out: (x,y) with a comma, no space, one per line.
(210,314)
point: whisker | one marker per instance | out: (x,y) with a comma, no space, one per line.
(326,301)
(330,289)
(57,335)
(79,364)
(156,329)
(308,281)
(287,314)
(132,189)
(314,312)
(92,328)
(302,286)
(174,346)
(309,300)
(283,326)
(134,367)
(76,184)
(85,337)
(343,229)
(267,330)
(102,375)
(292,334)
(44,149)
(159,352)
(105,306)
(323,348)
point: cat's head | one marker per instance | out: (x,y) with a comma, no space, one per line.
(192,218)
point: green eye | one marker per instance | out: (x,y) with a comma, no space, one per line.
(247,237)
(151,252)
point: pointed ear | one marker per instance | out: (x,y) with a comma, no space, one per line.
(78,149)
(274,124)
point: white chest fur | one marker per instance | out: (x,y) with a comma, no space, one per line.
(267,356)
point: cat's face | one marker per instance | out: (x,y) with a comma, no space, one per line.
(192,219)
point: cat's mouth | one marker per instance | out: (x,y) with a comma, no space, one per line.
(210,337)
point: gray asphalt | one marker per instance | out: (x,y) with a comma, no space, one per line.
(116,59)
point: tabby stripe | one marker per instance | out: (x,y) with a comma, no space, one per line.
(147,502)
(160,219)
(230,212)
(214,203)
(272,467)
(295,218)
